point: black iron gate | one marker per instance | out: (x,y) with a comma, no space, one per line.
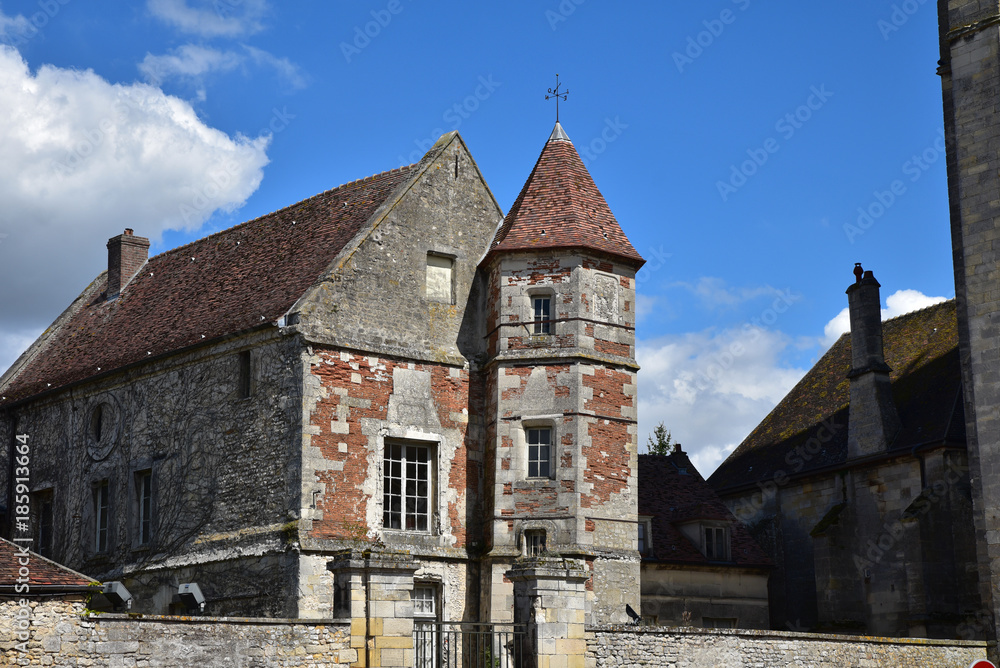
(467,645)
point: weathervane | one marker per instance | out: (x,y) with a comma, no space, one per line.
(554,93)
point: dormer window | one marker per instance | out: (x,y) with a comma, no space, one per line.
(715,543)
(542,314)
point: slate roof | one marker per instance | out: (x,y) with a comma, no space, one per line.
(43,572)
(672,497)
(229,282)
(921,348)
(561,207)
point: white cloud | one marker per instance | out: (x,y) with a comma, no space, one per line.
(189,61)
(898,303)
(710,389)
(212,18)
(192,62)
(14,27)
(715,293)
(82,160)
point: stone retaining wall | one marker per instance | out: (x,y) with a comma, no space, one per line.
(62,636)
(671,647)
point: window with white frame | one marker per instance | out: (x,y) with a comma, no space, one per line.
(407,487)
(716,543)
(542,309)
(539,452)
(424,601)
(102,508)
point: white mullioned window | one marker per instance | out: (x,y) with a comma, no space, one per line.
(539,452)
(407,487)
(144,506)
(542,307)
(716,543)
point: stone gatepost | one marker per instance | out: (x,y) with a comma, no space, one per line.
(550,599)
(374,589)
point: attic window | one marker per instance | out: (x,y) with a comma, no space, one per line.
(715,543)
(440,279)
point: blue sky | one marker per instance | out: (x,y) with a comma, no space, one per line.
(751,151)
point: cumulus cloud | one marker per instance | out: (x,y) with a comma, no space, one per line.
(211,18)
(83,159)
(711,388)
(898,303)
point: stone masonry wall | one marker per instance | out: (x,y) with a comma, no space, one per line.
(206,440)
(62,637)
(970,83)
(666,647)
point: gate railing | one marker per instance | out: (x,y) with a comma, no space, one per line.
(468,645)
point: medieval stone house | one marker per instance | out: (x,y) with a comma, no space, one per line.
(700,565)
(391,361)
(857,483)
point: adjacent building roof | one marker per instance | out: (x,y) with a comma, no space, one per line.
(560,207)
(672,493)
(807,430)
(229,282)
(41,571)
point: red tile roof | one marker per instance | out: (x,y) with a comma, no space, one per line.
(229,282)
(921,348)
(42,571)
(560,207)
(672,492)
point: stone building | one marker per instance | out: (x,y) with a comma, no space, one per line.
(700,566)
(389,363)
(857,483)
(970,83)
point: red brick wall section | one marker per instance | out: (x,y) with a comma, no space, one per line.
(607,454)
(344,500)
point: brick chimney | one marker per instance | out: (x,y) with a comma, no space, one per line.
(873,421)
(126,255)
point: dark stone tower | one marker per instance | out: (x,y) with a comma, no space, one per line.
(970,81)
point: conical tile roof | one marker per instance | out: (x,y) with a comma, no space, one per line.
(561,207)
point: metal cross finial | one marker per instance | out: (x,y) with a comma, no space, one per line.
(555,93)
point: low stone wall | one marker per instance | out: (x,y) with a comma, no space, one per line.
(60,635)
(672,647)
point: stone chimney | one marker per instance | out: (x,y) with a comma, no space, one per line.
(126,255)
(873,421)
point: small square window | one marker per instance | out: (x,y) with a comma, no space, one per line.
(534,542)
(539,447)
(440,270)
(542,315)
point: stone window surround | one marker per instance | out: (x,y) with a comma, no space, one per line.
(440,257)
(539,423)
(432,447)
(139,468)
(522,527)
(539,329)
(645,524)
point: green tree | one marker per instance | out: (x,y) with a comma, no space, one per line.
(661,443)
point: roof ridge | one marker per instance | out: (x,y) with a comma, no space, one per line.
(365,179)
(919,310)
